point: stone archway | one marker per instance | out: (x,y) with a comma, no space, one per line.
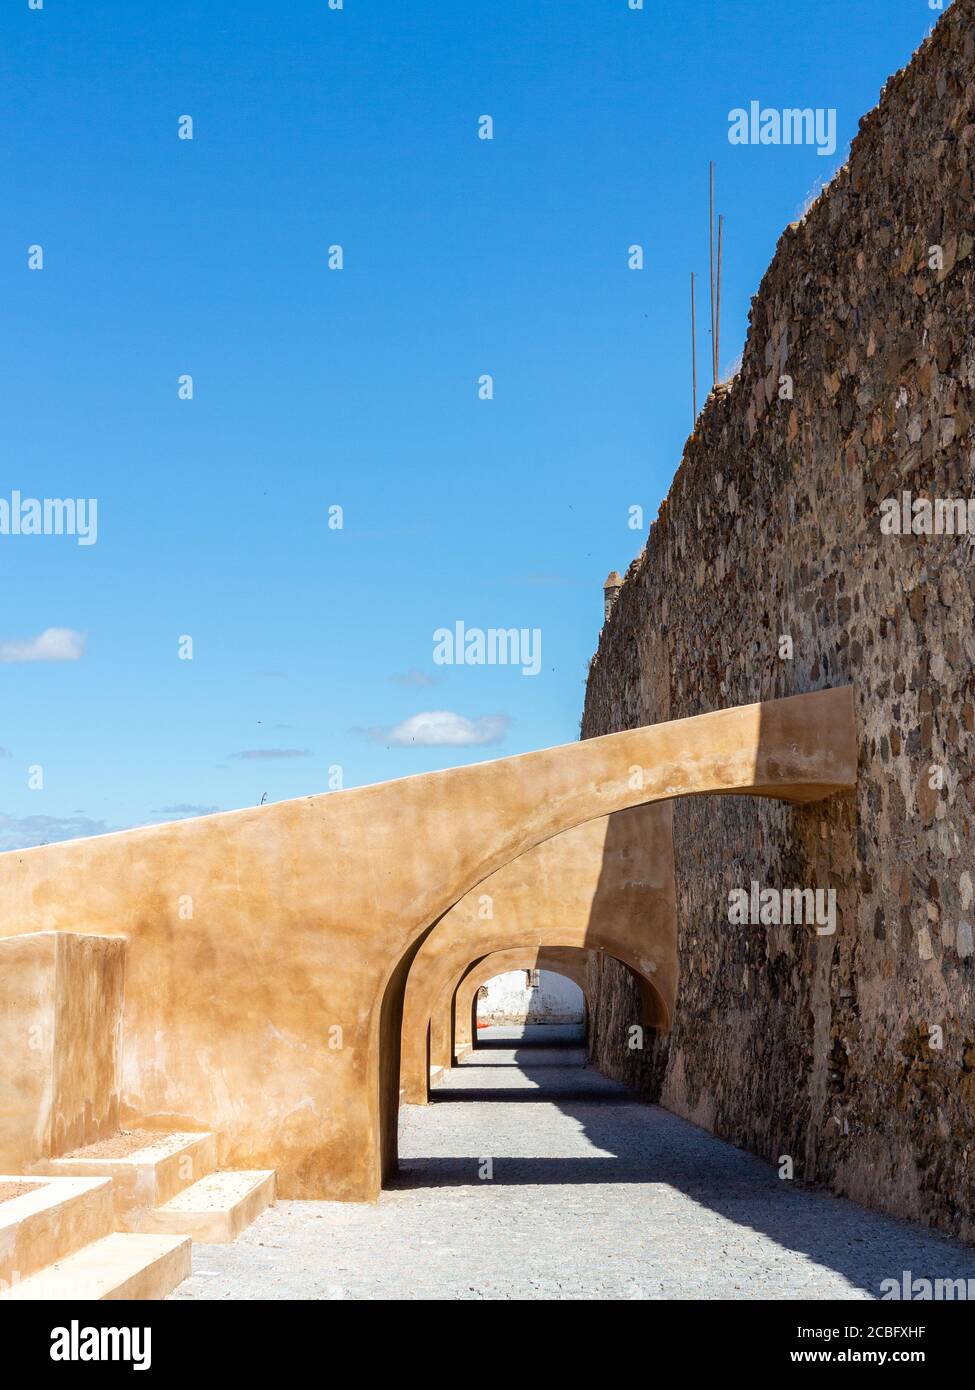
(569,961)
(268,949)
(606,885)
(450,1022)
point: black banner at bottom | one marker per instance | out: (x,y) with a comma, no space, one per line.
(176,1337)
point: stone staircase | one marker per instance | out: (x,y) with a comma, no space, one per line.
(58,1241)
(168,1184)
(92,1211)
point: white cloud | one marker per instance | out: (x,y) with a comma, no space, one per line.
(28,831)
(442,729)
(53,644)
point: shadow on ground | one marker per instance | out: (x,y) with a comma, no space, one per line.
(637,1143)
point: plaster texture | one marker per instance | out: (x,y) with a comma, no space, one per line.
(61,996)
(607,884)
(268,949)
(51,1221)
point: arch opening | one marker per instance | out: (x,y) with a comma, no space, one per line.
(533,995)
(543,1059)
(454,1048)
(325,900)
(570,963)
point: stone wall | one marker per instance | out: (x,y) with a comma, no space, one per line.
(826,1047)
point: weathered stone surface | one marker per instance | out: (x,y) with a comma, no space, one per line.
(786,1042)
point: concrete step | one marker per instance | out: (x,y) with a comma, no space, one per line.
(216,1209)
(153,1172)
(49,1221)
(118,1266)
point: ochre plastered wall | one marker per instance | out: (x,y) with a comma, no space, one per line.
(60,1043)
(607,884)
(268,948)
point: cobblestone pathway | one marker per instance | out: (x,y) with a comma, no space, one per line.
(591,1194)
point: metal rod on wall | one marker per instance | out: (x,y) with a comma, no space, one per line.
(714,365)
(717,311)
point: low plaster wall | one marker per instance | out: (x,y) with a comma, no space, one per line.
(60,1043)
(268,949)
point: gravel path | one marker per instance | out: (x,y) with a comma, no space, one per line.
(531,1176)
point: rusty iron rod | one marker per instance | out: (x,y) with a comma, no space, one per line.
(717,311)
(714,366)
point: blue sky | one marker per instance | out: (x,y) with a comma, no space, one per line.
(358,387)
